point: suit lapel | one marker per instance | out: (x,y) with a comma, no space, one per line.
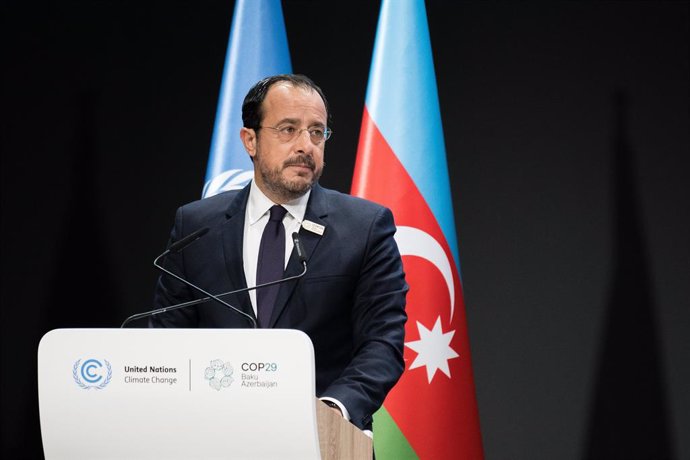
(232,248)
(317,211)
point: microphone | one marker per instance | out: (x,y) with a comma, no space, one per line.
(300,254)
(300,249)
(179,245)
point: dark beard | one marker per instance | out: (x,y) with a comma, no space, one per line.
(285,189)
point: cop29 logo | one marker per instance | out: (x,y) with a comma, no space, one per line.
(219,374)
(92,373)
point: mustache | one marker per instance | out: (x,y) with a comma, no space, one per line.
(300,160)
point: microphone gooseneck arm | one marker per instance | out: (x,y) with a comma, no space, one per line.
(181,244)
(208,295)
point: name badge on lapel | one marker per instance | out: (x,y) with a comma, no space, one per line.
(313,227)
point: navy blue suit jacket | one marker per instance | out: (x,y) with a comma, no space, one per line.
(351,302)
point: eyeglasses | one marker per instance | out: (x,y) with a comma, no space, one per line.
(289,133)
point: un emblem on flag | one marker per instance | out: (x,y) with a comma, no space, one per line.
(232,179)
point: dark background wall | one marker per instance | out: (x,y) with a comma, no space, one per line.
(566,129)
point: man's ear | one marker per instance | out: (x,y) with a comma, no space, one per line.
(249,140)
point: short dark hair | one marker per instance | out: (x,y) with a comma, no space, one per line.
(252,110)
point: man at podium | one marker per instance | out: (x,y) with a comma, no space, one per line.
(351,302)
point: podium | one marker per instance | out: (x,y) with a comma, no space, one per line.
(186,394)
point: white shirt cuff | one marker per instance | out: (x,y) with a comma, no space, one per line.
(346,414)
(342,408)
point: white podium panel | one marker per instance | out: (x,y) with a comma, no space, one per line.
(177,394)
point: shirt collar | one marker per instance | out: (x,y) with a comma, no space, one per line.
(259,204)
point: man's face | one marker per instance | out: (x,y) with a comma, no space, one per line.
(287,170)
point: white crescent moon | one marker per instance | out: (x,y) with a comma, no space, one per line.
(414,242)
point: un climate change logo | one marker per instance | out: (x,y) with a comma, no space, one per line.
(92,373)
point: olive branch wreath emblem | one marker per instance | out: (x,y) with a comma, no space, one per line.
(101,385)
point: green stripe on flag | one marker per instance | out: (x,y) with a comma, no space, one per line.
(389,442)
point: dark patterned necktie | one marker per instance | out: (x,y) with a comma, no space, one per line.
(271,263)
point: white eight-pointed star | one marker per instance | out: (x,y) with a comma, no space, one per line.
(433,349)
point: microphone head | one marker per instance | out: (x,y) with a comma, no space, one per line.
(179,245)
(299,248)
